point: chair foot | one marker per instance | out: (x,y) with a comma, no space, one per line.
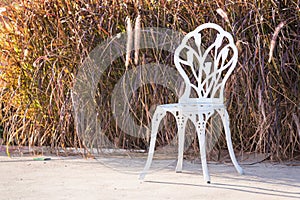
(238,168)
(142,176)
(178,167)
(207,179)
(241,171)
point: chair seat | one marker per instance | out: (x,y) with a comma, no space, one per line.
(193,107)
(201,100)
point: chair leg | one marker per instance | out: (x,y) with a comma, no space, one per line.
(181,123)
(201,138)
(225,119)
(157,117)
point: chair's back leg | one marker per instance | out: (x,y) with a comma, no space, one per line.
(225,119)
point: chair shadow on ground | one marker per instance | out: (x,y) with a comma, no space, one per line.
(250,177)
(241,188)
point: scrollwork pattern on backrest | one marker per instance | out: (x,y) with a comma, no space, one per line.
(205,67)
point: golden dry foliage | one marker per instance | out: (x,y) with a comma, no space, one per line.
(43,42)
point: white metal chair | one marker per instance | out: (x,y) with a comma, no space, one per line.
(205,71)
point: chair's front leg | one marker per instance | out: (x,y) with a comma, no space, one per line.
(202,144)
(225,119)
(181,123)
(157,117)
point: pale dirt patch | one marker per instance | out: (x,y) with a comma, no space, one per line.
(117,178)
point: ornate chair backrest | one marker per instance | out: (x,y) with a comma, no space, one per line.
(205,59)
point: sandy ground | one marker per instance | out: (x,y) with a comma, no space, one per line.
(117,178)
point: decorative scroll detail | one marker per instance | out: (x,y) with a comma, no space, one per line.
(206,70)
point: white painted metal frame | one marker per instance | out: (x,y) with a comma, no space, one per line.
(205,72)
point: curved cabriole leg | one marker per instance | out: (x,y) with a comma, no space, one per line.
(225,118)
(181,123)
(157,117)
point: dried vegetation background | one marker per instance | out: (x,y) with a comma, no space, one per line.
(44,42)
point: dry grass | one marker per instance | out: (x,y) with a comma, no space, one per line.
(44,42)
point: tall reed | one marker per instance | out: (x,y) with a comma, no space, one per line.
(43,43)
